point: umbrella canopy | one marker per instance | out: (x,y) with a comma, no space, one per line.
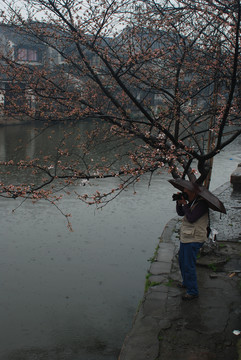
(213,202)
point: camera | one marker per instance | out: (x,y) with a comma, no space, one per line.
(180,196)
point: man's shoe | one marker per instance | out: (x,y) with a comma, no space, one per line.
(189,297)
(181,286)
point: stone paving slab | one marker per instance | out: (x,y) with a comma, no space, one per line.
(159,267)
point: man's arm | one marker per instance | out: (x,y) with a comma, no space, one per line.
(198,211)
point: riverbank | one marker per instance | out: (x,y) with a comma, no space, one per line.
(167,328)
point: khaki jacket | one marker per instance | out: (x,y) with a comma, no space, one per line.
(194,232)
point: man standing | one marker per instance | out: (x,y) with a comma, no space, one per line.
(193,234)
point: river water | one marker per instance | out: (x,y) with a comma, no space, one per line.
(73,295)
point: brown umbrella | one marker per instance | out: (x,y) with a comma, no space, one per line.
(213,202)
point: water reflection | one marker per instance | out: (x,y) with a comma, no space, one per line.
(37,141)
(61,149)
(73,295)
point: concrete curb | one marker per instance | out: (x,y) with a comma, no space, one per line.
(221,188)
(147,324)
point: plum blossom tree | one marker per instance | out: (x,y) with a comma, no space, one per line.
(162,75)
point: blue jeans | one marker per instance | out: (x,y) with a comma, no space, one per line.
(187,263)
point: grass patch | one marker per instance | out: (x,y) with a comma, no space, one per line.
(221,245)
(153,258)
(213,267)
(169,283)
(149,283)
(160,338)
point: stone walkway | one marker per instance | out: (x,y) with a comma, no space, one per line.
(168,328)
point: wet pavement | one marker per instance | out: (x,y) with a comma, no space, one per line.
(166,327)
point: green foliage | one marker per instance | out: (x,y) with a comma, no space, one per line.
(213,267)
(221,245)
(153,258)
(160,337)
(149,283)
(169,283)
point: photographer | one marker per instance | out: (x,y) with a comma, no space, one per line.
(193,234)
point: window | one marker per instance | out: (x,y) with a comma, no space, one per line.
(25,54)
